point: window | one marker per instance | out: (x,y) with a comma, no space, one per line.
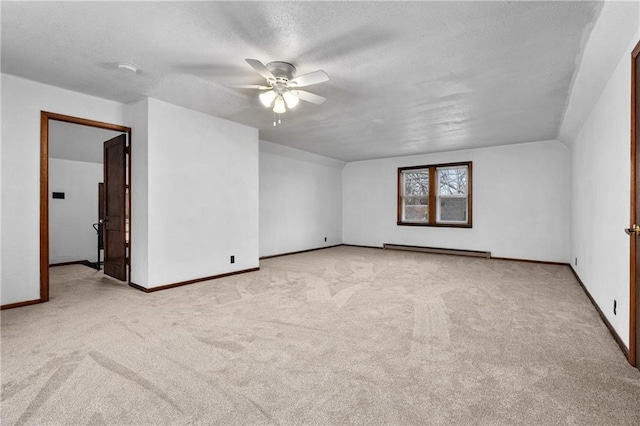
(435,195)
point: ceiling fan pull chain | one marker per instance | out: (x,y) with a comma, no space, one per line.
(274,119)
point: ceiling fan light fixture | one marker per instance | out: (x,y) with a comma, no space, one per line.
(291,99)
(266,98)
(281,91)
(279,107)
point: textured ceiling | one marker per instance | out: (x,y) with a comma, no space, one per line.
(406,77)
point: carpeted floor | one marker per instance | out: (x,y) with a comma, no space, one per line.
(336,336)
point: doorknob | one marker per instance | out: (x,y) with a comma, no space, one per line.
(635,229)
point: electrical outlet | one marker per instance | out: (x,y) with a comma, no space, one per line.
(615,307)
(325,239)
(233,259)
(576,261)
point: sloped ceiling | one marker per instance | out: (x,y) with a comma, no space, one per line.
(406,77)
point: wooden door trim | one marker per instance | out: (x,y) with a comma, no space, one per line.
(45,116)
(633,247)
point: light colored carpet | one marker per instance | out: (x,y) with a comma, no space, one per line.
(336,336)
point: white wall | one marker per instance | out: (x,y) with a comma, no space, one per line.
(520,202)
(202,195)
(608,41)
(1,189)
(194,187)
(71,235)
(601,197)
(139,232)
(300,200)
(22,101)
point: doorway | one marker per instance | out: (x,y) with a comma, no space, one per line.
(116,221)
(634,297)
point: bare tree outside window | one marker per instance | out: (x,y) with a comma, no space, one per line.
(416,196)
(453,181)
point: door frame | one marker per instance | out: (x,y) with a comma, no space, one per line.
(633,287)
(45,116)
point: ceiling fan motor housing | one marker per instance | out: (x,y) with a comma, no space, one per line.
(282,71)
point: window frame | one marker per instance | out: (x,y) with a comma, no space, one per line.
(434,195)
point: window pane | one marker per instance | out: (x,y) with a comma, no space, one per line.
(453,209)
(416,182)
(416,209)
(452,181)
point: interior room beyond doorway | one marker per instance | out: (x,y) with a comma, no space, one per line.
(75,202)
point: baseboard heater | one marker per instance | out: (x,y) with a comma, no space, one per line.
(438,250)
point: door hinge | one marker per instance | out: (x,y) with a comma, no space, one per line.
(127,243)
(126,150)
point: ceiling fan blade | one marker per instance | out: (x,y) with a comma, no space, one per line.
(309,79)
(309,97)
(252,86)
(259,66)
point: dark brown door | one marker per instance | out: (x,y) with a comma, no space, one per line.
(101,215)
(115,230)
(634,337)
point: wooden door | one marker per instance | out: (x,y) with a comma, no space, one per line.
(115,243)
(100,216)
(634,335)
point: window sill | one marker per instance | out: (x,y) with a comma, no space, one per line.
(436,225)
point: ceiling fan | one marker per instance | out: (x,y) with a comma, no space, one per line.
(281,89)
